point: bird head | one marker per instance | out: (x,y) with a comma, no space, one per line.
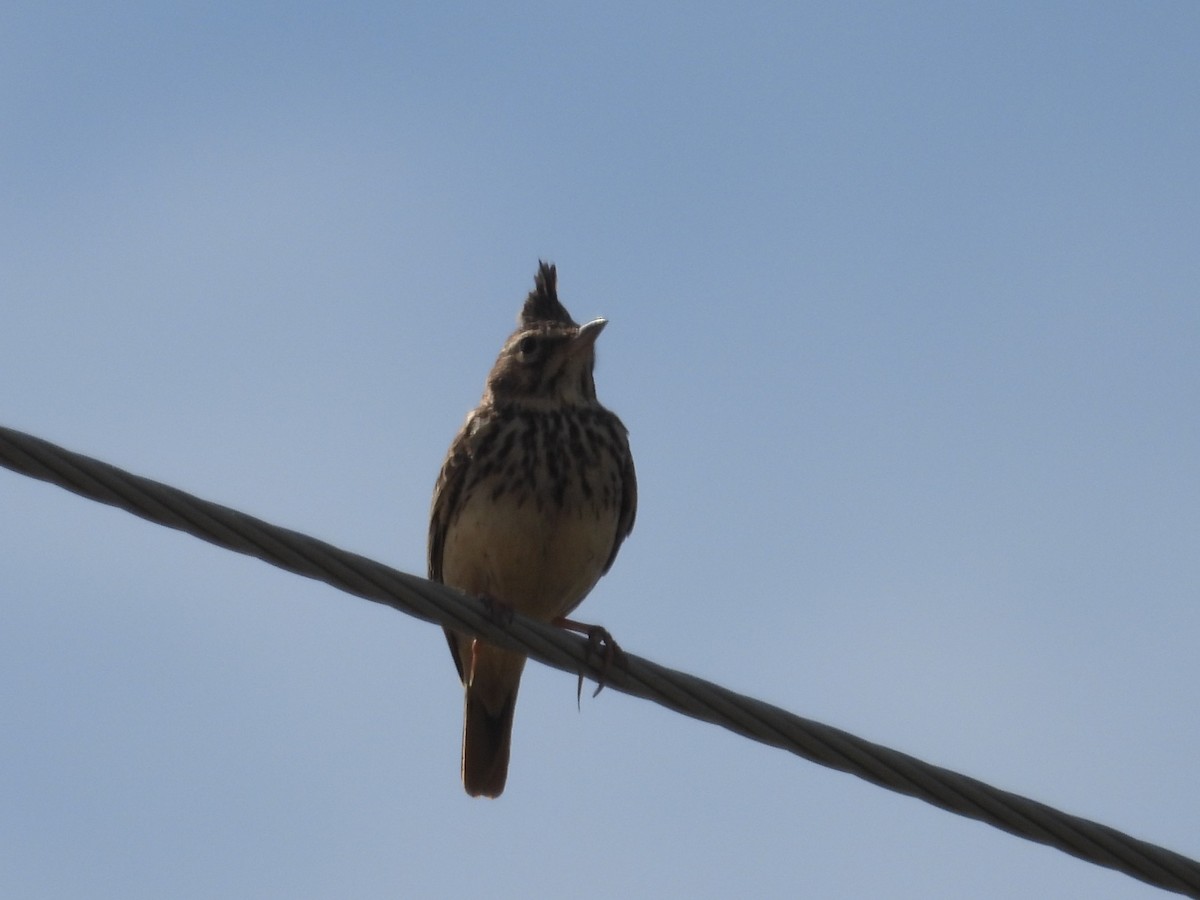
(549,358)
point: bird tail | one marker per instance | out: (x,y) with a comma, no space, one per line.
(488,717)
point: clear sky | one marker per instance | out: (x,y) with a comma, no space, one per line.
(904,324)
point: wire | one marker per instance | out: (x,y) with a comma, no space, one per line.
(677,691)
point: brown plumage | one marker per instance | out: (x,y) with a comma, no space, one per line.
(535,497)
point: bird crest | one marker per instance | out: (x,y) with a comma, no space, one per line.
(542,304)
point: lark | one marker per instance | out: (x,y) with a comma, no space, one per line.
(531,506)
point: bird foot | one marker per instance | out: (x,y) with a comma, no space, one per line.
(500,612)
(599,642)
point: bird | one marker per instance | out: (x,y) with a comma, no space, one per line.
(536,495)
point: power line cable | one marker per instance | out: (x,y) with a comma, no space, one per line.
(675,690)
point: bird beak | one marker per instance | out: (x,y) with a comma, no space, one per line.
(588,332)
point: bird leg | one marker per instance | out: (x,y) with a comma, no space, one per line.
(500,611)
(600,642)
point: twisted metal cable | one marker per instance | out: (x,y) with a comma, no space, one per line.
(552,646)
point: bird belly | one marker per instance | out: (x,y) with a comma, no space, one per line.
(541,561)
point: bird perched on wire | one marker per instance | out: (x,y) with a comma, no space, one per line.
(532,503)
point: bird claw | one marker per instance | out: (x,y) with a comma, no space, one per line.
(600,642)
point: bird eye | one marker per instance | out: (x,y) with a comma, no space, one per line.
(527,348)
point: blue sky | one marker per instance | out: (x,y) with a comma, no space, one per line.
(904,326)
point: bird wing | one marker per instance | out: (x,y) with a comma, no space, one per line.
(628,510)
(450,484)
